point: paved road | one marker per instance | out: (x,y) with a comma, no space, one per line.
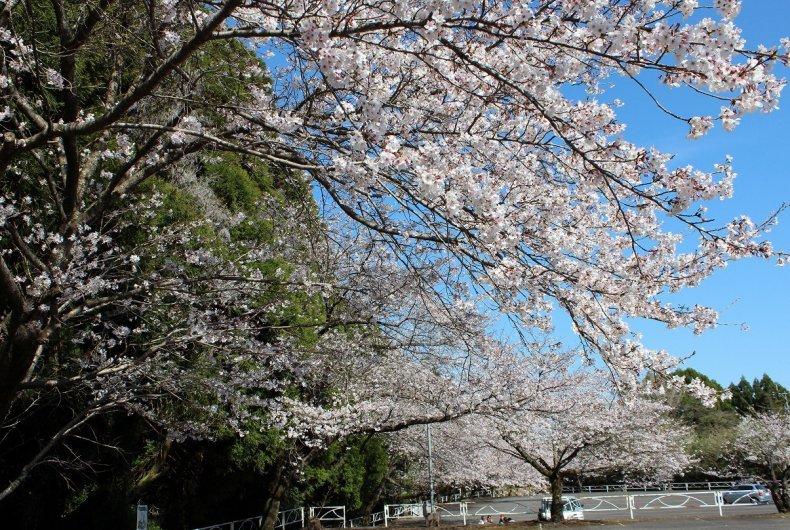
(739,523)
(683,508)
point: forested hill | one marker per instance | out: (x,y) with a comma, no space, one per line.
(715,428)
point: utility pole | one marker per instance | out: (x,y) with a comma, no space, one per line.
(430,465)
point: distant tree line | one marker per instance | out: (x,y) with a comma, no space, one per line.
(716,428)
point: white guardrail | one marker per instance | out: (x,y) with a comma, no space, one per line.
(285,519)
(447,510)
(516,508)
(631,503)
(368,521)
(656,486)
(670,500)
(251,523)
(329,514)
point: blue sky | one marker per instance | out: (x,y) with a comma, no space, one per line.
(752,292)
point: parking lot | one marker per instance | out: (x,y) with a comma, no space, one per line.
(733,522)
(649,510)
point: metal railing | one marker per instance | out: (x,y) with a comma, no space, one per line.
(708,498)
(448,510)
(251,523)
(285,519)
(329,514)
(610,503)
(670,500)
(290,517)
(455,497)
(656,486)
(516,508)
(372,520)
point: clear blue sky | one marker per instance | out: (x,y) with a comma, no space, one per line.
(753,292)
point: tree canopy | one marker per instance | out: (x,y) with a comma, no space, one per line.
(216,274)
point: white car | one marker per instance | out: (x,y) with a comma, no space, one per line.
(572,509)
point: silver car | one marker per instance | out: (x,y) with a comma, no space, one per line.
(747,494)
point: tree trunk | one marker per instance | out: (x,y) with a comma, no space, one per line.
(271,508)
(555,482)
(276,491)
(780,492)
(374,498)
(16,356)
(281,479)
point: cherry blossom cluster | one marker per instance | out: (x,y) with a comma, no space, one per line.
(764,439)
(762,448)
(443,127)
(450,178)
(451,114)
(576,428)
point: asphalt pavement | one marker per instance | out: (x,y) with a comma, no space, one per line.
(735,523)
(655,510)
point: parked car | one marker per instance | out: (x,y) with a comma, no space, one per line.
(747,494)
(572,509)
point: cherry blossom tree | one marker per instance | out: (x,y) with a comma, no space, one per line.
(462,458)
(365,369)
(453,174)
(467,449)
(391,394)
(576,428)
(592,435)
(441,126)
(763,444)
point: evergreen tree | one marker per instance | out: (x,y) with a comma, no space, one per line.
(762,395)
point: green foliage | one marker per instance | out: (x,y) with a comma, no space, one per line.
(259,449)
(349,472)
(229,476)
(239,189)
(227,86)
(195,482)
(762,395)
(715,427)
(690,373)
(93,65)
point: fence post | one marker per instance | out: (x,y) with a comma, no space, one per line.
(302,511)
(463,512)
(386,509)
(631,506)
(344,516)
(720,501)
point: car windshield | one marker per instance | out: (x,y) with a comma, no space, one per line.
(744,488)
